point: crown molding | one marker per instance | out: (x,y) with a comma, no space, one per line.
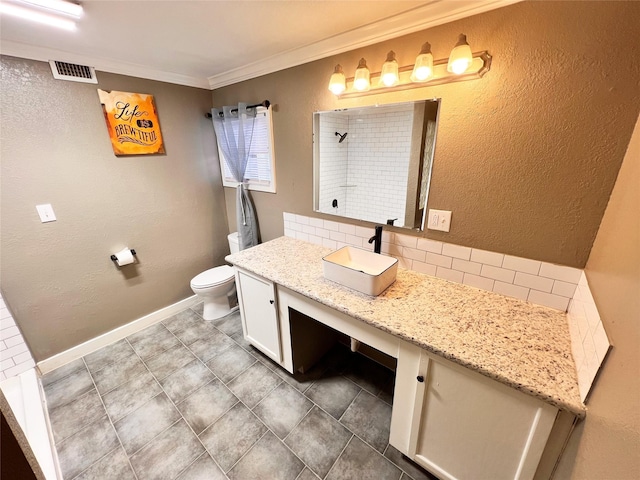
(437,12)
(16,49)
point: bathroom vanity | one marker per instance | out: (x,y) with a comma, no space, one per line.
(485,384)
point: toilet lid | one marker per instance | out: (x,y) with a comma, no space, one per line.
(213,276)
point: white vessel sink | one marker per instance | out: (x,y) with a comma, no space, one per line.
(364,271)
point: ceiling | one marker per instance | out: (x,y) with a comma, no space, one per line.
(210,43)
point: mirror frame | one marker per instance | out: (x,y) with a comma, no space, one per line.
(415,191)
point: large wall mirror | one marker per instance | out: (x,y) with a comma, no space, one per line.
(374,163)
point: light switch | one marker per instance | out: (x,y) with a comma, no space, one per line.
(439,220)
(46,213)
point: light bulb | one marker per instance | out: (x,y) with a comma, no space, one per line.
(337,83)
(361,78)
(423,69)
(389,74)
(461,57)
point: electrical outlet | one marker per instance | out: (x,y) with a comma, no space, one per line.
(439,220)
(46,213)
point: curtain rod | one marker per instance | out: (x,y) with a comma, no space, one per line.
(264,104)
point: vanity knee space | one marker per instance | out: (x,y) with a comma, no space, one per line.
(447,418)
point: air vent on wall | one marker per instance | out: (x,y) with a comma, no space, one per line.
(73,72)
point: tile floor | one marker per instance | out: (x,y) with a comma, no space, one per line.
(190,399)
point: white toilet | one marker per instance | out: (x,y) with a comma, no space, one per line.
(217,287)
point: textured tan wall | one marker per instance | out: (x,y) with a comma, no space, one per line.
(57,277)
(607,445)
(525,158)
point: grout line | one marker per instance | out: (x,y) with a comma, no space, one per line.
(341,452)
(282,380)
(110,421)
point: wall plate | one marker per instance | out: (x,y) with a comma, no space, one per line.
(439,220)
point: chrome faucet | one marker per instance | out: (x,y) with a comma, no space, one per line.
(377,238)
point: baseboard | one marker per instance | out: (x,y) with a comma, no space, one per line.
(51,363)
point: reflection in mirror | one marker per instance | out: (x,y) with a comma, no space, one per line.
(374,163)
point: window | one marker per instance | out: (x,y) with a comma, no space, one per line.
(261,169)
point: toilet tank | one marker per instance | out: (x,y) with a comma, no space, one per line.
(234,242)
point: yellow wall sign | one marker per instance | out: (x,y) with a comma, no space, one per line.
(132,121)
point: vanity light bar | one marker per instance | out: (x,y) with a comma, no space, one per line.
(461,65)
(480,65)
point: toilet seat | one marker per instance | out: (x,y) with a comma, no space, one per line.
(213,276)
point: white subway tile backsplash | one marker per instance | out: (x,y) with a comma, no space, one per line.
(15,357)
(289,233)
(390,249)
(302,236)
(387,236)
(548,300)
(467,267)
(538,282)
(533,281)
(414,254)
(289,217)
(429,245)
(425,268)
(448,274)
(22,357)
(308,229)
(478,282)
(18,369)
(9,332)
(348,229)
(589,348)
(560,272)
(497,273)
(6,363)
(405,240)
(511,290)
(315,239)
(363,232)
(15,350)
(563,288)
(7,322)
(439,260)
(593,316)
(489,258)
(405,263)
(353,240)
(322,232)
(601,342)
(302,220)
(521,264)
(316,222)
(337,236)
(456,251)
(332,244)
(296,227)
(330,225)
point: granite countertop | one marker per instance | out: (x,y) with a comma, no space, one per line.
(522,345)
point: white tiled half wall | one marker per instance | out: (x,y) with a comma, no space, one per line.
(15,357)
(367,182)
(541,283)
(589,341)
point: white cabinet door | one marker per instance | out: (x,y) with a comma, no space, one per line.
(258,309)
(467,426)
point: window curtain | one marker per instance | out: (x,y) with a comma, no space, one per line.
(233,126)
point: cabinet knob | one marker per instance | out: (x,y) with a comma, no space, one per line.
(420,378)
(271,302)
